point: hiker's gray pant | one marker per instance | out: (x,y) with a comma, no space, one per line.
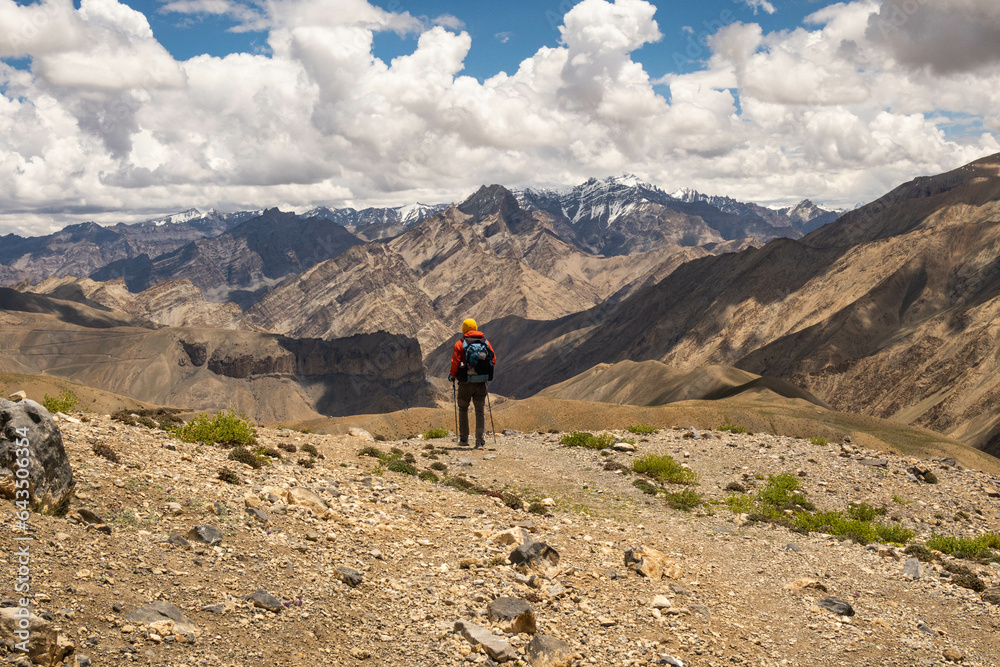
(474,392)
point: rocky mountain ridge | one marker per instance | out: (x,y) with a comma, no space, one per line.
(870,313)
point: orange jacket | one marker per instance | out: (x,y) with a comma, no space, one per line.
(458,354)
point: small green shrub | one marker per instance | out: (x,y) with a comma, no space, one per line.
(311,449)
(733,429)
(64,402)
(434,433)
(307,462)
(900,500)
(104,451)
(228,476)
(664,469)
(269,452)
(646,487)
(373,452)
(462,484)
(439,466)
(244,455)
(920,552)
(818,440)
(288,447)
(965,547)
(864,512)
(496,561)
(894,533)
(399,465)
(684,500)
(429,476)
(643,429)
(930,477)
(614,465)
(224,428)
(739,504)
(588,440)
(538,508)
(970,581)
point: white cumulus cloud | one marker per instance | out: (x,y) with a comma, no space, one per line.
(107,126)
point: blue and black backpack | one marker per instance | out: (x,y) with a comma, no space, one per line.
(478,360)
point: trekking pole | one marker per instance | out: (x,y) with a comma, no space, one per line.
(454,400)
(492,425)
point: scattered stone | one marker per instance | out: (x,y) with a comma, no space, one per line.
(261,516)
(534,554)
(514,615)
(624,447)
(360,654)
(874,463)
(913,569)
(671,660)
(992,596)
(651,563)
(837,606)
(660,602)
(177,540)
(49,472)
(512,536)
(805,584)
(951,655)
(206,534)
(17,396)
(306,498)
(349,576)
(46,645)
(794,547)
(496,647)
(927,630)
(546,651)
(174,508)
(702,611)
(159,611)
(360,434)
(265,600)
(679,590)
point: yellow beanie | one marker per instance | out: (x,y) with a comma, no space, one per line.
(468,325)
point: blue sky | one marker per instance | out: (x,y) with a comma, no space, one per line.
(116,110)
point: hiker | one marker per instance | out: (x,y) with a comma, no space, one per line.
(472,367)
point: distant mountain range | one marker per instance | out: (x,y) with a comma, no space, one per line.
(614,216)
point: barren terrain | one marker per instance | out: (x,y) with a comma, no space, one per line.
(430,555)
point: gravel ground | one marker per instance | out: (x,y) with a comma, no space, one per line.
(429,555)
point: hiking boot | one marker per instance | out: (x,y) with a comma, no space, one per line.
(463,443)
(480,445)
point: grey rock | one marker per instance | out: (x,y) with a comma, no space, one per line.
(467,462)
(206,534)
(516,615)
(874,463)
(671,660)
(46,645)
(913,569)
(49,469)
(349,576)
(680,590)
(794,547)
(546,650)
(510,431)
(534,553)
(837,606)
(496,647)
(177,540)
(701,610)
(258,514)
(927,630)
(117,607)
(163,611)
(83,661)
(217,609)
(265,600)
(89,516)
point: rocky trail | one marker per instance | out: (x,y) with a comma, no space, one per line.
(342,561)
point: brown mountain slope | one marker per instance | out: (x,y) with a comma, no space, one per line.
(266,376)
(888,311)
(486,259)
(175,303)
(652,383)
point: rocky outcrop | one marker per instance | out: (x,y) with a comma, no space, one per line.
(27,427)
